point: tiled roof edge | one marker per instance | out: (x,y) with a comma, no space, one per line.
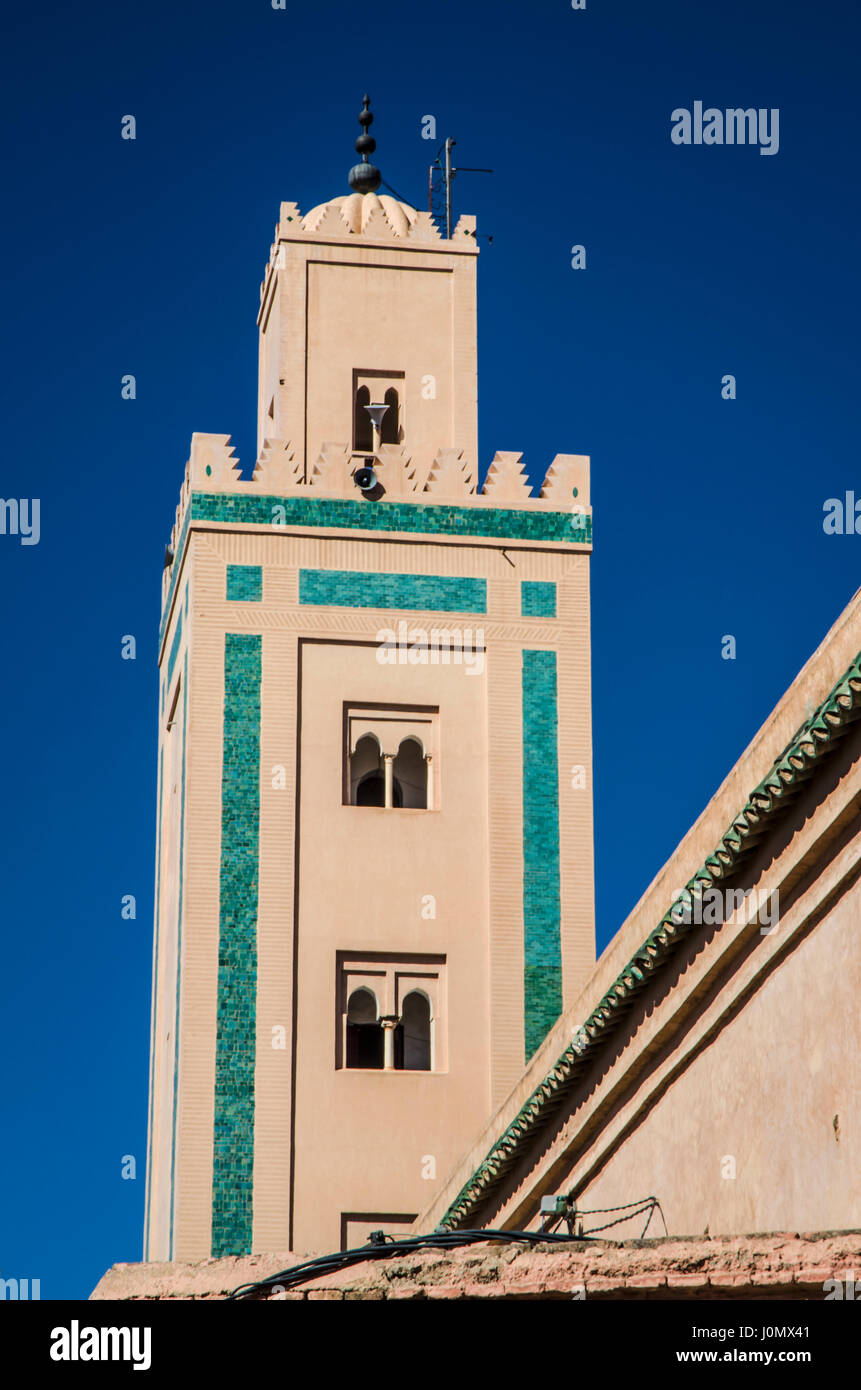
(795,765)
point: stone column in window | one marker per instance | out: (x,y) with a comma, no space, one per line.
(389,1023)
(388,765)
(429,784)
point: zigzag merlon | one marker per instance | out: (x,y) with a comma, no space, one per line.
(450,481)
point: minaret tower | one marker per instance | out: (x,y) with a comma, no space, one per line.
(374,854)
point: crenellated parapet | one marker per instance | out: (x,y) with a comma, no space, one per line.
(369,218)
(450,483)
(212,463)
(214,467)
(451,475)
(567,477)
(277,468)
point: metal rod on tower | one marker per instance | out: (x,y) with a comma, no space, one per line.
(448,171)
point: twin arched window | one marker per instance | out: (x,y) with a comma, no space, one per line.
(409,1047)
(408,773)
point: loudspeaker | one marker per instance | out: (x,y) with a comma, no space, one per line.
(365,478)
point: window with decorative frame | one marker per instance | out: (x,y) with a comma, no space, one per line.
(390,756)
(391,1012)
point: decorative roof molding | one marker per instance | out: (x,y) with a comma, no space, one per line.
(798,762)
(506,480)
(331,468)
(212,463)
(277,467)
(567,481)
(396,471)
(451,475)
(214,467)
(465,228)
(326,220)
(377,225)
(376,217)
(424,228)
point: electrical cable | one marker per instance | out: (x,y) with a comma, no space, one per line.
(395,194)
(643,1205)
(384,1247)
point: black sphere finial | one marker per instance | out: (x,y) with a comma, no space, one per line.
(364,177)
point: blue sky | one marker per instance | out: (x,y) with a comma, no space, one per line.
(146,257)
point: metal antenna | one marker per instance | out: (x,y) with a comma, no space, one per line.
(448,172)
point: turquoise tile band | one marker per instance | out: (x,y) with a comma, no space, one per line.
(537,599)
(542,949)
(233,1149)
(426,592)
(504,523)
(415,518)
(245,583)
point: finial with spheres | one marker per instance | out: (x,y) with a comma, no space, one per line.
(364,177)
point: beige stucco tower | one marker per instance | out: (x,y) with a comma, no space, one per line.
(374,879)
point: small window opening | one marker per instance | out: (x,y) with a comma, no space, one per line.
(411,773)
(365,764)
(363,435)
(364,1034)
(390,428)
(413,1034)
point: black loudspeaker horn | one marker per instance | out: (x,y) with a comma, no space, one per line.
(365,478)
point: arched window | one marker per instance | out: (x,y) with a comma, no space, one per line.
(390,428)
(363,435)
(412,774)
(364,1034)
(365,765)
(367,776)
(392,749)
(413,1034)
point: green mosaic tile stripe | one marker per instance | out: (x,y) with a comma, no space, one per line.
(174,647)
(245,582)
(537,599)
(542,989)
(501,522)
(542,950)
(233,1154)
(409,517)
(428,592)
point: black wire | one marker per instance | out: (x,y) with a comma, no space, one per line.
(439,1240)
(400,197)
(643,1205)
